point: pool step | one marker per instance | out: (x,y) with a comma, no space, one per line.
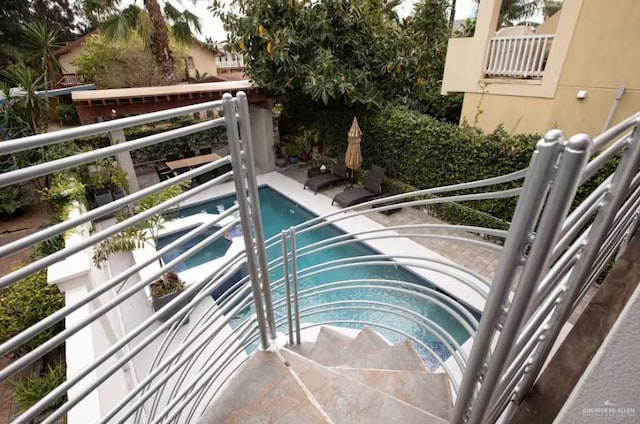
(364,379)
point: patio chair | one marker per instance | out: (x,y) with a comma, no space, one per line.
(172,157)
(337,175)
(189,154)
(370,191)
(205,151)
(164,173)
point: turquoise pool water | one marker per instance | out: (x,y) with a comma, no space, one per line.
(278,213)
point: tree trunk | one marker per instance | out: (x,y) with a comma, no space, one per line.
(160,41)
(452,16)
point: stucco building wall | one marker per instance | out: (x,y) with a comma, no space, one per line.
(594,49)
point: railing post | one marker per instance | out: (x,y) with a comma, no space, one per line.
(524,218)
(231,124)
(294,272)
(252,188)
(287,288)
(622,178)
(124,160)
(563,189)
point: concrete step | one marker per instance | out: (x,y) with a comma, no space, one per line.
(328,345)
(400,357)
(367,341)
(346,400)
(263,391)
(424,390)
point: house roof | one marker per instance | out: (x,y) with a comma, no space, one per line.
(78,41)
(19,92)
(72,44)
(166,90)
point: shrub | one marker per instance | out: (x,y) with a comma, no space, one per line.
(12,200)
(214,138)
(48,247)
(26,303)
(422,152)
(67,114)
(29,390)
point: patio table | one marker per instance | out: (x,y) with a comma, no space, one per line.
(193,162)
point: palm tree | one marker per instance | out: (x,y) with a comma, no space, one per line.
(24,107)
(452,14)
(520,10)
(41,42)
(150,24)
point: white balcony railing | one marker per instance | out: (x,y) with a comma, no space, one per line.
(523,56)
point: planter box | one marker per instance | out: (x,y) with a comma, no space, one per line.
(159,303)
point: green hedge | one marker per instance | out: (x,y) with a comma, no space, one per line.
(214,138)
(422,152)
(25,304)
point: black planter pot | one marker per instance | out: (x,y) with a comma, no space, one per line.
(282,162)
(293,160)
(159,303)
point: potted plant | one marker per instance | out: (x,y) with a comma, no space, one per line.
(163,291)
(293,151)
(169,285)
(281,158)
(306,139)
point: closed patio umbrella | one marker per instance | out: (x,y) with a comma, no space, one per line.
(353,156)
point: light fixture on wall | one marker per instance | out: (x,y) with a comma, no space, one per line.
(582,94)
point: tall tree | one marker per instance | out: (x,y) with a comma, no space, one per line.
(41,42)
(151,23)
(518,11)
(336,53)
(14,14)
(452,14)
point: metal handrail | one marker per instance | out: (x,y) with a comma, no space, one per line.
(552,255)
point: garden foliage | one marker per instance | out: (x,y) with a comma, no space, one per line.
(421,152)
(29,390)
(25,304)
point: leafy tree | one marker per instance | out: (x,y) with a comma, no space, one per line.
(14,14)
(150,24)
(340,52)
(122,63)
(467,29)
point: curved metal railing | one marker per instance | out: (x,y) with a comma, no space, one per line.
(155,367)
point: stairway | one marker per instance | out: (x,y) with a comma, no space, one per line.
(337,379)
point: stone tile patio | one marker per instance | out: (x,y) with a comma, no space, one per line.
(475,258)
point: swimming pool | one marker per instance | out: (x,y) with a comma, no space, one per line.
(278,213)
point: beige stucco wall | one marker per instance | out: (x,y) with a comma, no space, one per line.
(525,115)
(601,55)
(67,59)
(204,60)
(538,115)
(550,25)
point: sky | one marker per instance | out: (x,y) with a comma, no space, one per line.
(213,27)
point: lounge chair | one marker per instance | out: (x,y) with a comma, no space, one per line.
(370,191)
(338,175)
